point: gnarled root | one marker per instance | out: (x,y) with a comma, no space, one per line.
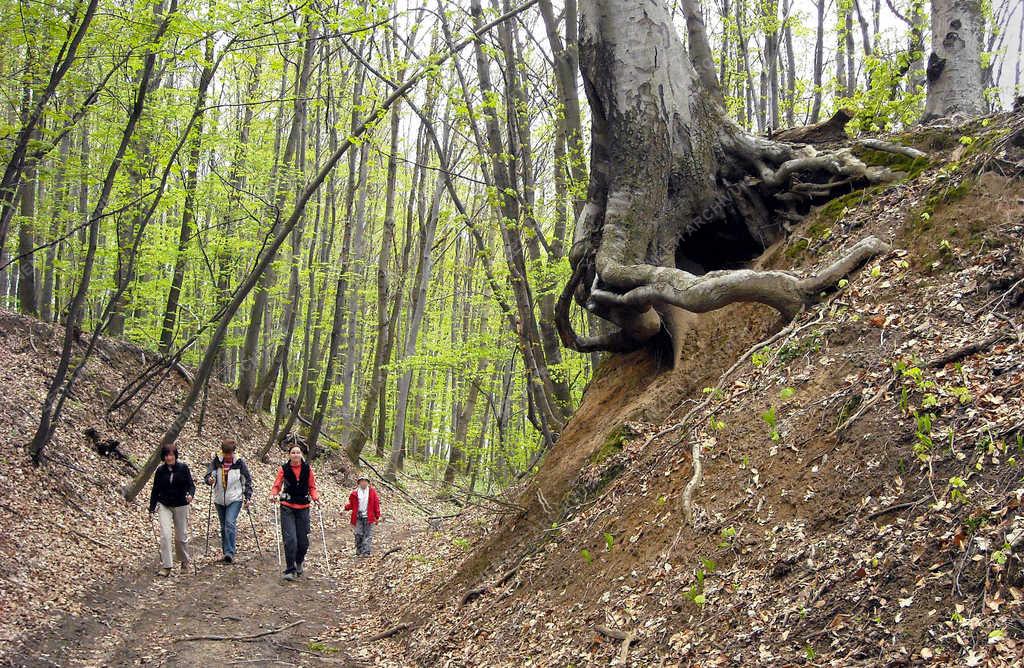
(661,286)
(781,290)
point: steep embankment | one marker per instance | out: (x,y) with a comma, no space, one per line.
(861,472)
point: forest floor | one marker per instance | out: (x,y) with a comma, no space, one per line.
(78,564)
(860,503)
(261,620)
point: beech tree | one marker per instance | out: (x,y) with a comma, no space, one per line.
(678,192)
(955,83)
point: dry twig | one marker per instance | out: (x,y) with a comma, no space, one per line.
(248,638)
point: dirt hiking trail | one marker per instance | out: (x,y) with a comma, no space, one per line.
(142,619)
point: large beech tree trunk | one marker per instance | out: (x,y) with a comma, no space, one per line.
(680,197)
(954,67)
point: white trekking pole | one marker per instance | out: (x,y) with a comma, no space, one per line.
(323,534)
(277,516)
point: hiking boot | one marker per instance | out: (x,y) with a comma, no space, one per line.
(229,559)
(290,575)
(164,573)
(298,569)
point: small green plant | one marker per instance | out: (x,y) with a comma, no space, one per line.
(609,541)
(760,358)
(587,557)
(715,424)
(728,537)
(461,543)
(957,489)
(696,591)
(923,443)
(787,393)
(713,392)
(771,420)
(321,648)
(962,394)
(1000,555)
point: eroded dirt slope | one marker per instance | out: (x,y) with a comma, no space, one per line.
(861,473)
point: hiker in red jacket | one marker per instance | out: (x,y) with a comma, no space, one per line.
(365,506)
(295,489)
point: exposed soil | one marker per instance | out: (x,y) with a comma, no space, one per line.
(829,530)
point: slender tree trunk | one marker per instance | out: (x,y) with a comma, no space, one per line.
(424,271)
(188,209)
(51,407)
(790,65)
(540,385)
(27,296)
(373,394)
(700,50)
(355,181)
(819,61)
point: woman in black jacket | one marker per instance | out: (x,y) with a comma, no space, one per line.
(173,490)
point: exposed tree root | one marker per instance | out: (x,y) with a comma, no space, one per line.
(661,286)
(393,631)
(695,479)
(627,638)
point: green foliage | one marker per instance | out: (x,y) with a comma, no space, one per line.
(886,104)
(321,648)
(769,417)
(696,591)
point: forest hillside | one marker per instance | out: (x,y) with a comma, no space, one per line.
(624,332)
(860,489)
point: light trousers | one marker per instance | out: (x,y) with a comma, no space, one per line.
(173,525)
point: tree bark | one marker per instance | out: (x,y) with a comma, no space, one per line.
(954,67)
(668,167)
(819,61)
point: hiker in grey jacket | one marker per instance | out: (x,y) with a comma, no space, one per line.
(232,488)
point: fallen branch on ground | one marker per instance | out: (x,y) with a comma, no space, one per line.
(895,149)
(893,509)
(967,351)
(393,631)
(248,638)
(627,638)
(474,593)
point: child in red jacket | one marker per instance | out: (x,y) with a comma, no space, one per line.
(365,506)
